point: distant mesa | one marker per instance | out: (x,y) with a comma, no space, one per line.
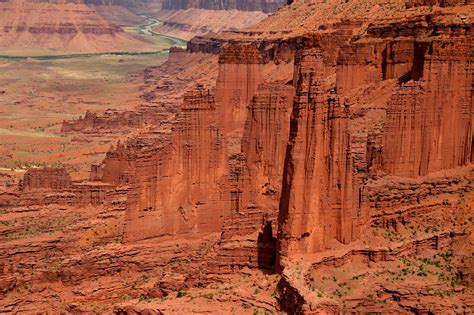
(243,5)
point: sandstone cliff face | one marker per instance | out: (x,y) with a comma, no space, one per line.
(54,186)
(48,178)
(240,73)
(317,201)
(221,170)
(422,134)
(117,167)
(66,26)
(249,232)
(337,152)
(265,138)
(242,5)
(319,184)
(177,191)
(199,173)
(323,195)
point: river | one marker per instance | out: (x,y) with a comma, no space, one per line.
(145,30)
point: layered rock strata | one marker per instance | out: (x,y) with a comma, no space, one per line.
(346,151)
(64,26)
(318,199)
(246,5)
(433,136)
(50,186)
(176,189)
(48,178)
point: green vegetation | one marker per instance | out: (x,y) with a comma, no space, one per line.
(209,296)
(82,56)
(34,228)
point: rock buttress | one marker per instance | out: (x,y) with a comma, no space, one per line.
(249,232)
(176,190)
(240,73)
(428,127)
(317,201)
(46,178)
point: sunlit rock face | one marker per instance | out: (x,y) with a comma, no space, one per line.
(242,5)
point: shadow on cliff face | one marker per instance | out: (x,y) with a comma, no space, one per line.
(266,245)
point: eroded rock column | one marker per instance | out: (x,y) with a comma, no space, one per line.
(317,194)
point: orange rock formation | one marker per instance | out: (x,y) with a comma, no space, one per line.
(307,152)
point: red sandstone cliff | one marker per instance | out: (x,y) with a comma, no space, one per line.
(431,135)
(243,5)
(340,151)
(49,178)
(323,197)
(318,195)
(176,187)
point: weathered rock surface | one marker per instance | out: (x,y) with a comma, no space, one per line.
(66,26)
(433,136)
(244,5)
(191,22)
(49,178)
(338,156)
(176,185)
(317,200)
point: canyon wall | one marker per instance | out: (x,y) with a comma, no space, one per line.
(317,202)
(47,178)
(278,155)
(240,73)
(242,5)
(194,182)
(249,232)
(117,168)
(303,153)
(222,168)
(54,186)
(280,162)
(176,187)
(429,121)
(65,26)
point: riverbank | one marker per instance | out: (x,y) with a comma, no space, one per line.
(161,42)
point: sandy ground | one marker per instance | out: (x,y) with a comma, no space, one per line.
(36,96)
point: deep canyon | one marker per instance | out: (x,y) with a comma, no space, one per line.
(316,158)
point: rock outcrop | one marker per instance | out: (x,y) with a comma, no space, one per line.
(240,73)
(117,167)
(337,156)
(54,186)
(110,120)
(318,195)
(176,187)
(322,197)
(66,26)
(243,5)
(249,233)
(422,134)
(46,178)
